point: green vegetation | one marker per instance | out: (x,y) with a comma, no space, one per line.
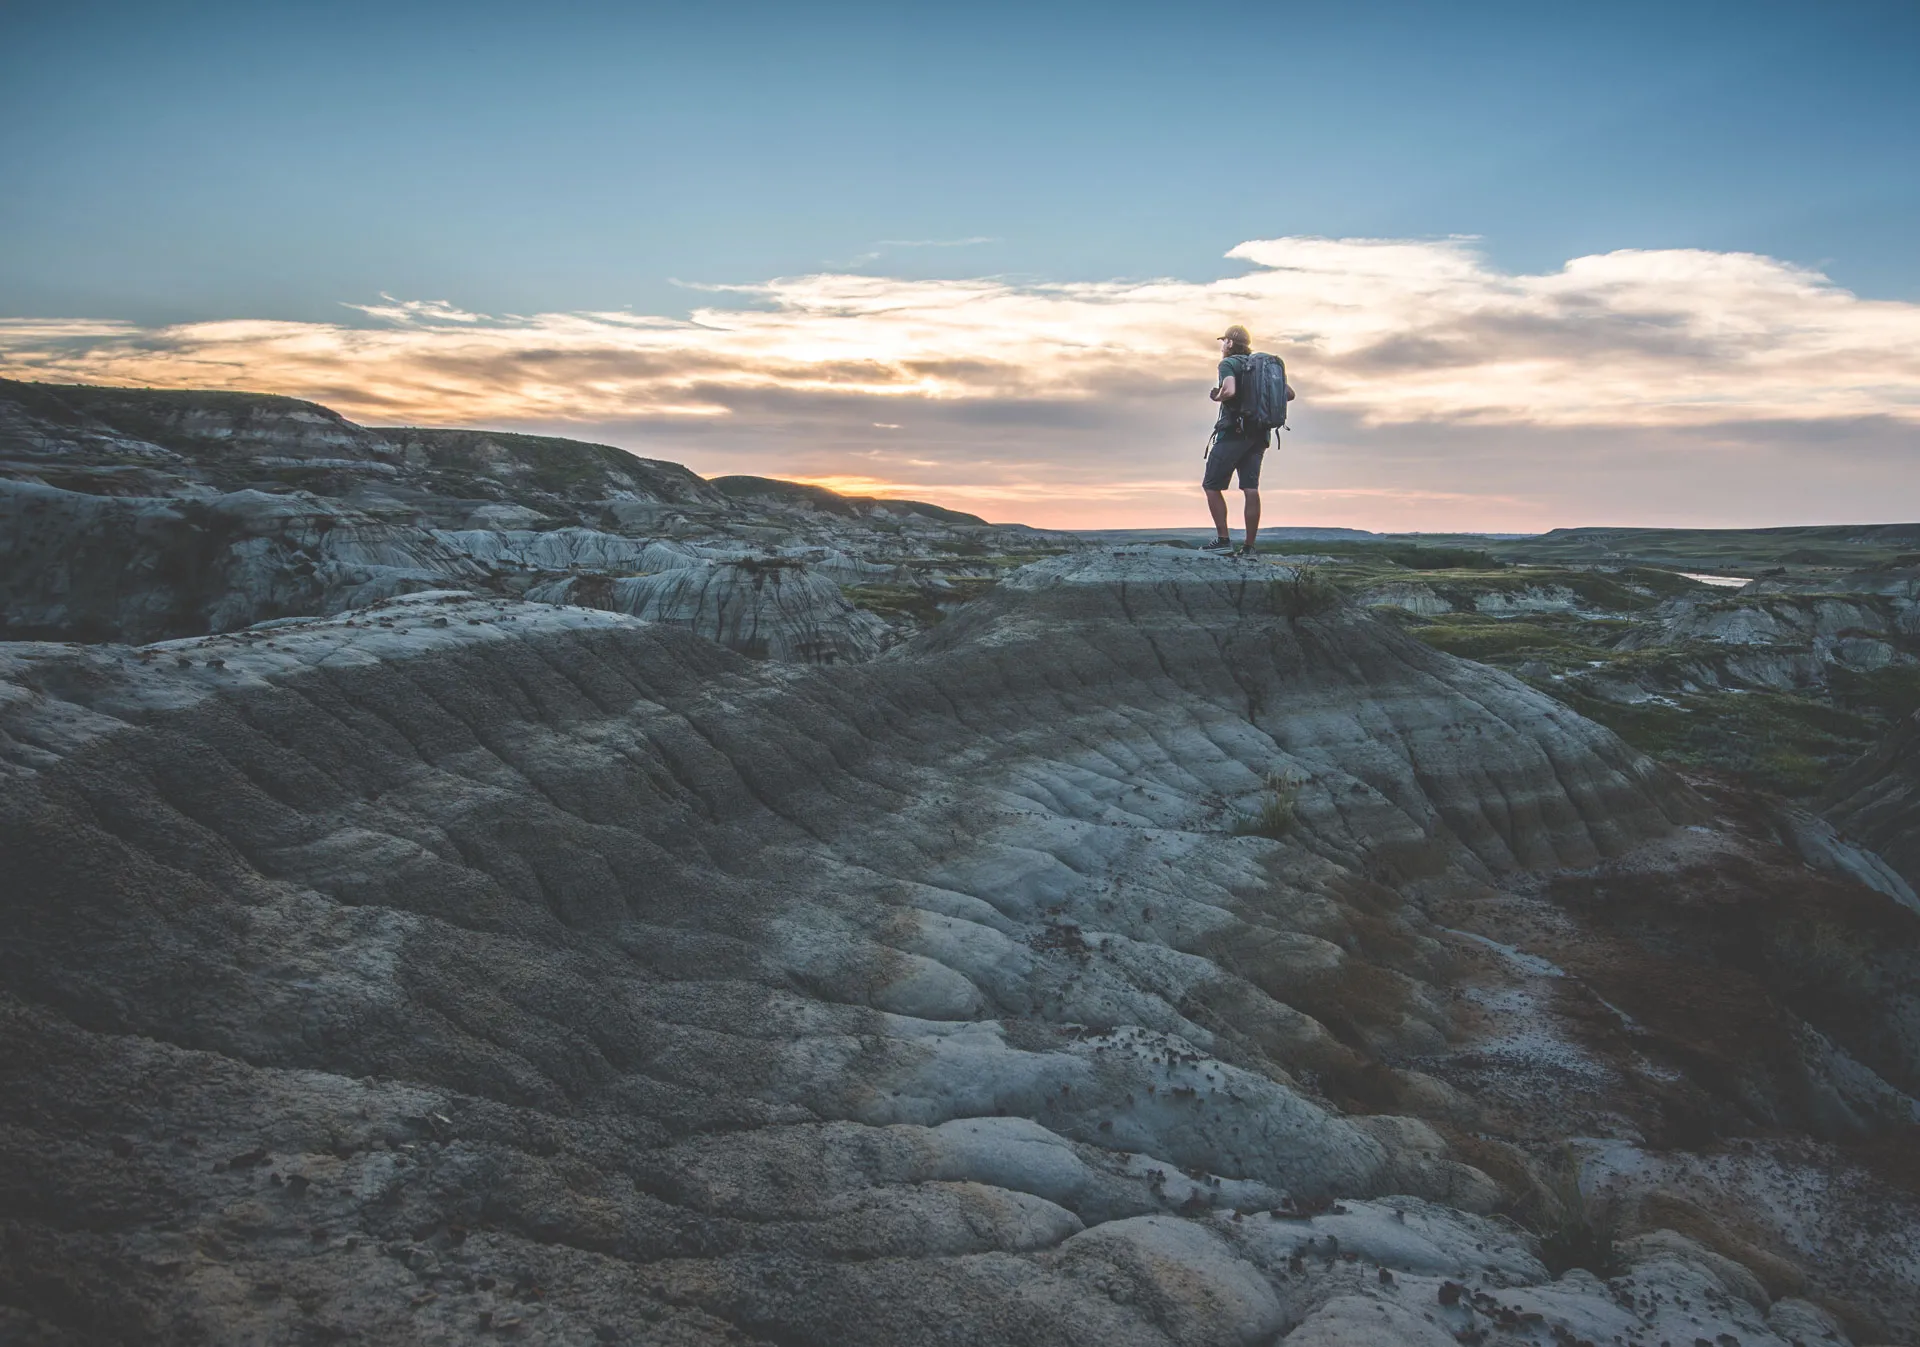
(1275,817)
(921,606)
(743,487)
(1576,1229)
(1561,640)
(161,416)
(1889,694)
(562,466)
(1740,551)
(1778,741)
(1412,556)
(1777,716)
(896,603)
(1306,593)
(1697,716)
(542,462)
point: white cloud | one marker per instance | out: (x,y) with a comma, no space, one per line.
(1082,391)
(937,243)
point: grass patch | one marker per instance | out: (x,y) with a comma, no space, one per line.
(895,603)
(1892,693)
(1742,551)
(920,606)
(1576,1229)
(1783,742)
(1412,556)
(1275,817)
(1562,640)
(1789,742)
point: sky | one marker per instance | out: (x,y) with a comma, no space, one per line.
(1529,265)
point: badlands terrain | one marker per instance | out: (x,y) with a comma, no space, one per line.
(466,887)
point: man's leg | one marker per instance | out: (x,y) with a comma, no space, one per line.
(1251,495)
(1217,507)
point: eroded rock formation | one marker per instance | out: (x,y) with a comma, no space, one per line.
(466,886)
(143,515)
(1878,799)
(1130,960)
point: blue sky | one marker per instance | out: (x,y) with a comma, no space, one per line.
(189,163)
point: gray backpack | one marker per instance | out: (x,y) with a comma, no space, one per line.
(1260,399)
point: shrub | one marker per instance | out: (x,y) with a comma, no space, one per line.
(1306,593)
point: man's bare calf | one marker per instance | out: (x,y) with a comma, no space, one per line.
(1217,507)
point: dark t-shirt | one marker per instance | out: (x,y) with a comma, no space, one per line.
(1237,366)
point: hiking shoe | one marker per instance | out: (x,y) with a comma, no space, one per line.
(1219,545)
(1248,550)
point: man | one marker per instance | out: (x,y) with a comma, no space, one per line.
(1233,449)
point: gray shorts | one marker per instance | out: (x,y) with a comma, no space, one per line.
(1230,453)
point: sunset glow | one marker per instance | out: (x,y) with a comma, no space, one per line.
(1067,404)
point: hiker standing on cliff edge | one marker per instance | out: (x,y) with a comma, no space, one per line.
(1253,394)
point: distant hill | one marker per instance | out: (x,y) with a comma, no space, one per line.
(1801,545)
(828,501)
(1276,534)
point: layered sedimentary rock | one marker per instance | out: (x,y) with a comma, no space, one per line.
(142,515)
(766,609)
(453,966)
(1877,800)
(88,567)
(482,885)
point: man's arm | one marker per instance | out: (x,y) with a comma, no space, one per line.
(1225,391)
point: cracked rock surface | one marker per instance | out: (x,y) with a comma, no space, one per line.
(1118,963)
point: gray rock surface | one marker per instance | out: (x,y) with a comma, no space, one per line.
(481,886)
(775,609)
(1877,800)
(140,515)
(457,966)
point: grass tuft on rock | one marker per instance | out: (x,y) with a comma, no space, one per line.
(1577,1229)
(1275,817)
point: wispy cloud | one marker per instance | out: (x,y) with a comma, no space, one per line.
(1056,398)
(936,243)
